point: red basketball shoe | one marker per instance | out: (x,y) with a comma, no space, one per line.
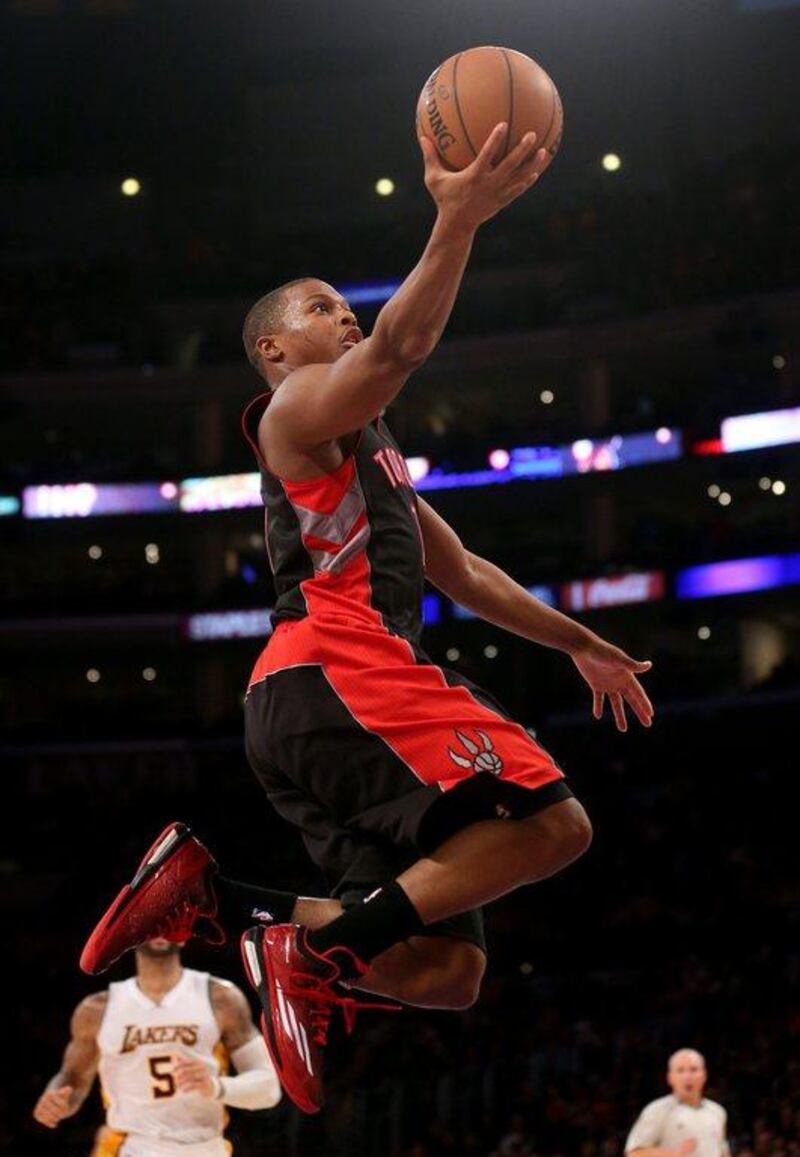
(171,888)
(297,990)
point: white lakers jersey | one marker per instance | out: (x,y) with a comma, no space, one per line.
(139,1041)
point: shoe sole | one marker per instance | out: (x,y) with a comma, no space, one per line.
(261,979)
(159,852)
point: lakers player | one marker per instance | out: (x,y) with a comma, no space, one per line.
(161,1042)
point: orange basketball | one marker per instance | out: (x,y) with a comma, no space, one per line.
(464,98)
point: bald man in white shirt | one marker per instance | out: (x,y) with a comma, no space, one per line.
(685,1121)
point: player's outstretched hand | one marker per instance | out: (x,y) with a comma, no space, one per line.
(491,182)
(53,1106)
(610,672)
(192,1076)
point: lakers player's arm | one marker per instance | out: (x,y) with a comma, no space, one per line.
(233,1014)
(255,1085)
(490,593)
(317,403)
(69,1088)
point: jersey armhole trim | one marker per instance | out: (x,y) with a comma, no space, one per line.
(253,443)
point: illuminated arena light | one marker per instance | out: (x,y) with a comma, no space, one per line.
(240,491)
(418,468)
(220,492)
(85,499)
(613,591)
(444,480)
(369,292)
(738,576)
(211,625)
(754,431)
(542,592)
(499,459)
(208,626)
(735,576)
(583,456)
(431,610)
(708,448)
(9,505)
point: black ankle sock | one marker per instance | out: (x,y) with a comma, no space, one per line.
(242,905)
(383,919)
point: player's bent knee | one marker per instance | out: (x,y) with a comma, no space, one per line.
(567,826)
(578,836)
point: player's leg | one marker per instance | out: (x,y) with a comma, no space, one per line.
(421,764)
(476,865)
(431,971)
(441,969)
(177,891)
(440,972)
(298,971)
(510,854)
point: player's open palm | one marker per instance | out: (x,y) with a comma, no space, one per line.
(491,182)
(612,674)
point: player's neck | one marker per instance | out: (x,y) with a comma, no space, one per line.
(691,1101)
(156,978)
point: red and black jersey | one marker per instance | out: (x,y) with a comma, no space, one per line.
(355,733)
(349,542)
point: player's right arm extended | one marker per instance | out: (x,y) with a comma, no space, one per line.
(69,1088)
(320,402)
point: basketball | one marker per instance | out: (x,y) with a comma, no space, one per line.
(471,92)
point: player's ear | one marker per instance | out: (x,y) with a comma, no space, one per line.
(270,349)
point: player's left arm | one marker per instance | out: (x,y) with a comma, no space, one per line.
(255,1085)
(71,1085)
(490,593)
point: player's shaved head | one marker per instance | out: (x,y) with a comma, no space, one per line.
(266,317)
(688,1056)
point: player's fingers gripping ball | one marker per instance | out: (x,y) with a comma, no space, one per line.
(470,93)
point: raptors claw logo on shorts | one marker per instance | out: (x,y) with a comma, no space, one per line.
(485,760)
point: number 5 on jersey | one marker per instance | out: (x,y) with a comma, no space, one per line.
(163,1080)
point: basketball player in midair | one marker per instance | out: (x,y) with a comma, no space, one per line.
(161,1042)
(417,795)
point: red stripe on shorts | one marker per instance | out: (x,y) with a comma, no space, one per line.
(443,734)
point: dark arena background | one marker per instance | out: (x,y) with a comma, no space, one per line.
(613,417)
